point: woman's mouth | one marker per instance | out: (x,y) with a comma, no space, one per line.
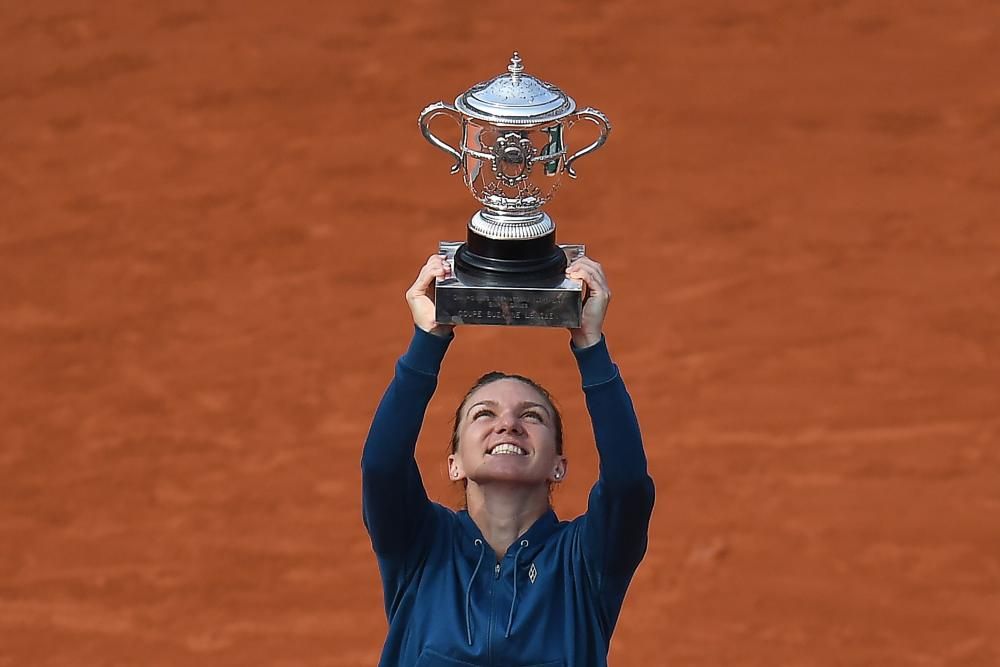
(506,449)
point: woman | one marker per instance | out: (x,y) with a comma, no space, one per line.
(504,582)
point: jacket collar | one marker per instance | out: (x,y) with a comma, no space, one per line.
(544,526)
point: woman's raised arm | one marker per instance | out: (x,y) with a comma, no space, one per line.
(617,520)
(394,502)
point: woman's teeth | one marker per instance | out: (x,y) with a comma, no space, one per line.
(507,449)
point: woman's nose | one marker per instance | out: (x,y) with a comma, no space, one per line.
(508,422)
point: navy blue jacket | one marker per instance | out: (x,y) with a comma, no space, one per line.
(554,598)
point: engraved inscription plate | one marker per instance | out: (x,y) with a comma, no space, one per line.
(560,306)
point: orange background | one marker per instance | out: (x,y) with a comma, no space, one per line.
(208,217)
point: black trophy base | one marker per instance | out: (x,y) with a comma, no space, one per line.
(461,299)
(488,262)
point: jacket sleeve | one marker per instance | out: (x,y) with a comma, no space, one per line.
(616,525)
(394,502)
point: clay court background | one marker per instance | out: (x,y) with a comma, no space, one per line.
(208,216)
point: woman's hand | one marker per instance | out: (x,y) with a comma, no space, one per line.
(595,307)
(421,305)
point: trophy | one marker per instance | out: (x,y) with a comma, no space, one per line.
(510,270)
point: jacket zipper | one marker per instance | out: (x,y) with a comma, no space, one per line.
(489,636)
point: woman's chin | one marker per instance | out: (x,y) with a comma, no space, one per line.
(506,473)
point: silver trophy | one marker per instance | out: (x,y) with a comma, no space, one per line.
(513,154)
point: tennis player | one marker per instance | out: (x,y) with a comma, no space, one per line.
(504,582)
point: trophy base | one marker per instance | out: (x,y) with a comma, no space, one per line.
(511,304)
(533,263)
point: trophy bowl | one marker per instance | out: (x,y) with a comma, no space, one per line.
(512,157)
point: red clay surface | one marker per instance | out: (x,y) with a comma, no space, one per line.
(208,217)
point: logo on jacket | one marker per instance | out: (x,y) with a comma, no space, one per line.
(532,573)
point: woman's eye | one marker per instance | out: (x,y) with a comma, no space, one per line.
(481,413)
(531,414)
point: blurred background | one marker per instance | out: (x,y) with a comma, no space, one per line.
(210,210)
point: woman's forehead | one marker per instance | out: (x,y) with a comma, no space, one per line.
(507,390)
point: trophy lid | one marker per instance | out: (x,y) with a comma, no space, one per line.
(515,98)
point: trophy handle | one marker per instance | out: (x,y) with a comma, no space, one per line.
(598,119)
(428,114)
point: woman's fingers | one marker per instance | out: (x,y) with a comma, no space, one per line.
(592,274)
(421,304)
(587,266)
(595,306)
(434,267)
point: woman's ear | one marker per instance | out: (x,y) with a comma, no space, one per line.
(560,469)
(455,471)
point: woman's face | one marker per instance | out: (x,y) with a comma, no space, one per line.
(507,434)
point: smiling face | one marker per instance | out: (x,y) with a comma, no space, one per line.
(507,432)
